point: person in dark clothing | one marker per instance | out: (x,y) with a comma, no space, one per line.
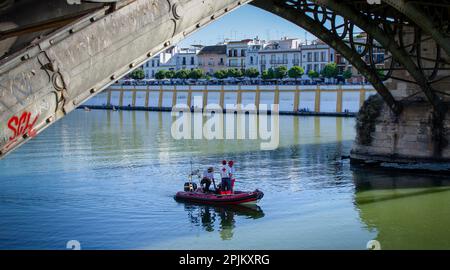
(208,177)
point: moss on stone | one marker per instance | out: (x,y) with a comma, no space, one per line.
(366,119)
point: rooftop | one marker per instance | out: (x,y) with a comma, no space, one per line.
(214,49)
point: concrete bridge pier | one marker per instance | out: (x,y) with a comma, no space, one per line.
(420,133)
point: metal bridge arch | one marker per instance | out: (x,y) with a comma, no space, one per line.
(83,54)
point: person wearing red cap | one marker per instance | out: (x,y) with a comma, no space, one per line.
(225,174)
(231,168)
(230,165)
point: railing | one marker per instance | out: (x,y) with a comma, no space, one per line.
(279,62)
(276,90)
(237,65)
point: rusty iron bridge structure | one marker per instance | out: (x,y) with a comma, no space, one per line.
(56,54)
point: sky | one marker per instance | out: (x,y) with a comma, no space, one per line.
(245,22)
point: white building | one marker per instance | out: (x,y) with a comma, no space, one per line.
(237,52)
(316,55)
(158,62)
(252,59)
(285,52)
(174,58)
(186,58)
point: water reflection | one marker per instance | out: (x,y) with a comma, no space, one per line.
(408,210)
(221,219)
(108,178)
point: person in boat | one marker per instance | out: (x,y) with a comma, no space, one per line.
(231,168)
(208,177)
(225,174)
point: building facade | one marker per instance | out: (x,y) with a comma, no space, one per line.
(316,56)
(261,55)
(378,54)
(174,58)
(237,53)
(212,58)
(285,52)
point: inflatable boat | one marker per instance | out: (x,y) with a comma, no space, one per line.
(235,198)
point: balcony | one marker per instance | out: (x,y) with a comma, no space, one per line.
(279,62)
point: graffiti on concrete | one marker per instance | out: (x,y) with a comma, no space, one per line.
(20,126)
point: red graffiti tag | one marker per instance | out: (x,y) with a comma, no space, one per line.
(21,126)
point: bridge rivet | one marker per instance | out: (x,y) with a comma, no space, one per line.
(113,77)
(177,11)
(92,19)
(25,57)
(92,90)
(131,65)
(149,54)
(49,120)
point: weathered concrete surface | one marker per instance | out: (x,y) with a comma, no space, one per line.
(57,72)
(416,135)
(406,138)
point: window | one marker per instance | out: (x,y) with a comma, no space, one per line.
(192,61)
(153,63)
(235,52)
(183,62)
(233,63)
(230,53)
(242,53)
(323,57)
(251,60)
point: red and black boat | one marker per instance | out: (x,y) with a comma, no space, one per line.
(237,197)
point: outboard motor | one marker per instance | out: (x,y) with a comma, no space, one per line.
(190,186)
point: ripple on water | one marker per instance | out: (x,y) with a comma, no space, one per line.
(107,179)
